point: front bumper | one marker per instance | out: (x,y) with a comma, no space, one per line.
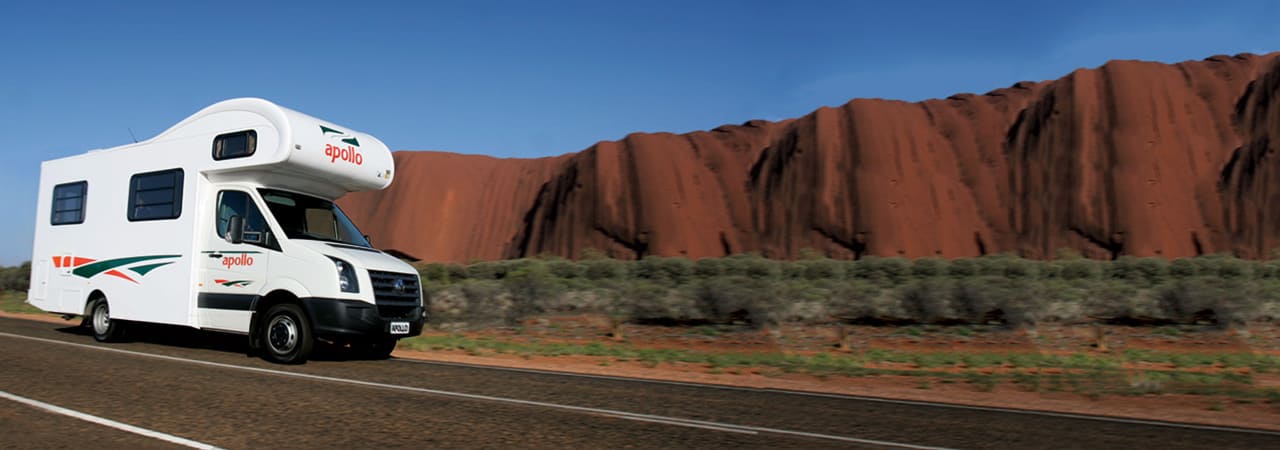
(352,320)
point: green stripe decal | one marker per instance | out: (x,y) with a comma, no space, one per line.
(89,270)
(142,270)
(324,129)
(352,141)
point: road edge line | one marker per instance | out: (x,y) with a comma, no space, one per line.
(106,422)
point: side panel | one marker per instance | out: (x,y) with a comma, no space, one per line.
(142,267)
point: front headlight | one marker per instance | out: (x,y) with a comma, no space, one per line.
(346,276)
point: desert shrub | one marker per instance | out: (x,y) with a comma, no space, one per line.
(708,267)
(564,269)
(1078,269)
(1143,272)
(487,270)
(961,268)
(1210,299)
(1266,269)
(677,270)
(733,298)
(437,272)
(859,299)
(649,268)
(654,301)
(1022,303)
(752,266)
(803,301)
(603,269)
(884,271)
(820,269)
(1183,268)
(1005,266)
(16,278)
(929,267)
(976,299)
(475,303)
(533,289)
(1222,266)
(926,300)
(1114,300)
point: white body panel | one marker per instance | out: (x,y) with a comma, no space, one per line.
(157,270)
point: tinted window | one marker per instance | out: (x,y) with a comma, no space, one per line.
(306,217)
(155,195)
(237,203)
(68,203)
(235,145)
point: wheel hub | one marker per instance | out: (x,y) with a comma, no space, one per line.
(282,334)
(101,319)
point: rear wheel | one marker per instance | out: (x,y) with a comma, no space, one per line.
(286,334)
(104,329)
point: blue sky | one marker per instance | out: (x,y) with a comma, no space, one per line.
(528,79)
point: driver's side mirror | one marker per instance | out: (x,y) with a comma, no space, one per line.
(235,230)
(370,241)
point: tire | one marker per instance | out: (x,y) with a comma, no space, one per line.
(104,329)
(379,350)
(286,335)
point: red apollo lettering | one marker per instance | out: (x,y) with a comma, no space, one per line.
(242,260)
(348,154)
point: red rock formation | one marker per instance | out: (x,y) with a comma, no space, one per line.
(1131,158)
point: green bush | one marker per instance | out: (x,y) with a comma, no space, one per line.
(927,300)
(929,267)
(15,278)
(604,269)
(753,290)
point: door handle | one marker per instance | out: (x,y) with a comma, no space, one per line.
(215,255)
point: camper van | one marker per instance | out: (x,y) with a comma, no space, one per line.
(226,222)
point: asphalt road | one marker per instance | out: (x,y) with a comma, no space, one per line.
(203,387)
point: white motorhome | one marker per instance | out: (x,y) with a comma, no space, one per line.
(225,222)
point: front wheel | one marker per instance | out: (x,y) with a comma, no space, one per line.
(104,329)
(286,334)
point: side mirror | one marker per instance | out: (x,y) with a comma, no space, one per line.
(235,230)
(370,241)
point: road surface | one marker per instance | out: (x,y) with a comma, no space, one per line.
(188,388)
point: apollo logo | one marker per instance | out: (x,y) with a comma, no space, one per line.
(232,261)
(349,152)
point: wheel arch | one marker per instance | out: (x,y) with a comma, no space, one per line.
(91,298)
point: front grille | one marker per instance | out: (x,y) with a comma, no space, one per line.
(393,304)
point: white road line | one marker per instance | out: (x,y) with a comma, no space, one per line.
(994,409)
(691,423)
(106,422)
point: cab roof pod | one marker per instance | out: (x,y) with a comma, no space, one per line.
(294,150)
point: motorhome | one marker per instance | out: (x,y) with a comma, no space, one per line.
(225,222)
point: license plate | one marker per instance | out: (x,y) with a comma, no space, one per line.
(399,327)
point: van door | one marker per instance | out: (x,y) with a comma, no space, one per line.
(231,275)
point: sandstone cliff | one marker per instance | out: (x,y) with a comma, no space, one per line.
(1131,158)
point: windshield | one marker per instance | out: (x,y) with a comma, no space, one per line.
(306,217)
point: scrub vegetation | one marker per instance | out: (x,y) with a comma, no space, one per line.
(13,289)
(1092,374)
(1222,291)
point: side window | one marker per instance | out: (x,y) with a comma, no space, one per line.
(68,203)
(238,203)
(235,145)
(155,195)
